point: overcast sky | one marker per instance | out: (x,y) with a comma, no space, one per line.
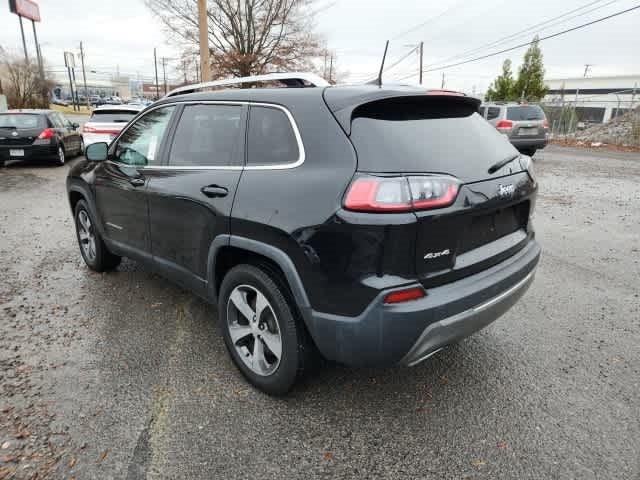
(121,34)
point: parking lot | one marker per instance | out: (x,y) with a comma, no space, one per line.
(124,376)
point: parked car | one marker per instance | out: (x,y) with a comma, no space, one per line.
(38,134)
(96,100)
(107,121)
(113,101)
(354,222)
(59,101)
(525,126)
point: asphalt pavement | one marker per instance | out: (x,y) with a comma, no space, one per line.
(124,375)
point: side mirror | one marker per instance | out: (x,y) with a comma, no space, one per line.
(97,152)
(75,125)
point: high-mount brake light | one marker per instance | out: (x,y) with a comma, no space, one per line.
(370,193)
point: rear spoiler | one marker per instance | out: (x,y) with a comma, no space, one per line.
(343,109)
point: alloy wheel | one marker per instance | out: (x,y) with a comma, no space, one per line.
(254,330)
(61,155)
(86,235)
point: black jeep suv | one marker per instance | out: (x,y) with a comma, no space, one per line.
(356,222)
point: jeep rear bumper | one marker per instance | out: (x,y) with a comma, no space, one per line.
(407,333)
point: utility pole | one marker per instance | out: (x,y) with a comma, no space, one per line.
(442,86)
(203,24)
(155,63)
(330,67)
(164,73)
(84,75)
(38,56)
(24,43)
(421,57)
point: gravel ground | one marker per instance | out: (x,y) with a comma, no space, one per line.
(123,375)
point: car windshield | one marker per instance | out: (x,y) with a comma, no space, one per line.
(113,116)
(20,120)
(528,112)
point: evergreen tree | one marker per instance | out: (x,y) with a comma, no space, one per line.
(502,88)
(530,83)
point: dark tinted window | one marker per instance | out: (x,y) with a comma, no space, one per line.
(525,112)
(208,135)
(271,138)
(482,110)
(112,116)
(140,144)
(427,137)
(21,120)
(493,112)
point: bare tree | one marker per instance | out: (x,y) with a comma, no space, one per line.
(22,83)
(246,37)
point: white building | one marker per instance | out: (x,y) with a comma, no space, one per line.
(596,99)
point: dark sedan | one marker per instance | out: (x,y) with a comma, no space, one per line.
(38,134)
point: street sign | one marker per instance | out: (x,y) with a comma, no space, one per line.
(69,60)
(25,8)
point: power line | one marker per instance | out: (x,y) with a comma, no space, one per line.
(426,22)
(547,37)
(521,33)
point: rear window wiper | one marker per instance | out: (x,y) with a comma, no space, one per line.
(498,165)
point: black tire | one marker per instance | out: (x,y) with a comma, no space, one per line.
(81,148)
(298,351)
(60,155)
(102,259)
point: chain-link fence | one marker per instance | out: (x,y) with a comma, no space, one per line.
(612,118)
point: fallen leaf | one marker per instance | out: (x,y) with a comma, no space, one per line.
(502,445)
(478,463)
(6,445)
(103,455)
(22,434)
(328,456)
(72,462)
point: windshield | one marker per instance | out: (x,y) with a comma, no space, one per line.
(523,113)
(20,120)
(112,116)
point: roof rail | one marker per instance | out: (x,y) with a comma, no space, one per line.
(290,79)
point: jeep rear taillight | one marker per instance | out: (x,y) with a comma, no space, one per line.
(370,193)
(504,126)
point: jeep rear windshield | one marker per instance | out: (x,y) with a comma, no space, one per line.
(112,116)
(426,135)
(21,120)
(525,112)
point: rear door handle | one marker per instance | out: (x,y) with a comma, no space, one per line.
(213,191)
(136,182)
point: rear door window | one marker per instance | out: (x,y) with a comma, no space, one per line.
(208,135)
(21,120)
(493,112)
(271,139)
(524,113)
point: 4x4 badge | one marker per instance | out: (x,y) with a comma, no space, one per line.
(432,255)
(505,191)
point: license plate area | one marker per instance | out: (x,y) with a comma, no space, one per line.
(528,131)
(16,152)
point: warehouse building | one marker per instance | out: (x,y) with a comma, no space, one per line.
(595,99)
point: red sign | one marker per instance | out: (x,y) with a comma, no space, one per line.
(25,8)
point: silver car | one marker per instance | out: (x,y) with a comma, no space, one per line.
(525,126)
